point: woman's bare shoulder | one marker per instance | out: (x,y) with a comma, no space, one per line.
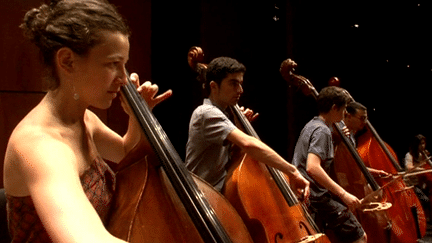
(31,132)
(92,121)
(33,152)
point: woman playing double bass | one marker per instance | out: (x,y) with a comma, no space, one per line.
(59,187)
(417,161)
(417,155)
(54,163)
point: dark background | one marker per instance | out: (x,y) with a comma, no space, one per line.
(380,52)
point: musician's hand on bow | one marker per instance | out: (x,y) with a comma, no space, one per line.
(379,173)
(300,186)
(350,200)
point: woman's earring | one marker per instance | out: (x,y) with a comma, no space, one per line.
(75,94)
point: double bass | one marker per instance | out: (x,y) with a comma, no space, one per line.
(372,212)
(261,194)
(377,154)
(158,200)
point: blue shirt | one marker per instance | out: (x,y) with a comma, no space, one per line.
(207,150)
(315,138)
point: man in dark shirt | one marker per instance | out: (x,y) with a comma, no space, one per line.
(313,156)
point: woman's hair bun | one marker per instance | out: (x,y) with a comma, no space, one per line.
(35,22)
(53,3)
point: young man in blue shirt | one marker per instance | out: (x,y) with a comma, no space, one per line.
(313,157)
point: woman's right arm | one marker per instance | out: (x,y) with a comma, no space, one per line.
(409,161)
(50,173)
